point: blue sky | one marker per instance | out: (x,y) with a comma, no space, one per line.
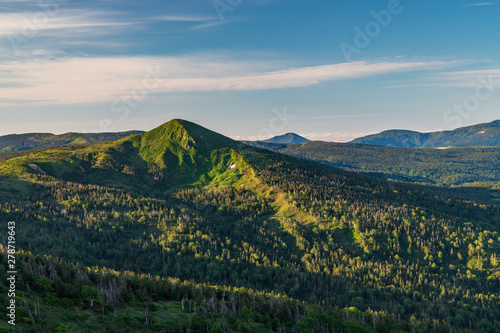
(329,70)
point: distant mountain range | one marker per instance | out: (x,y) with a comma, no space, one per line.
(486,135)
(476,135)
(442,167)
(289,138)
(30,141)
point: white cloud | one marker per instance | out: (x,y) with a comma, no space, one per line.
(470,78)
(57,22)
(53,27)
(481,4)
(182,18)
(81,80)
(211,24)
(61,21)
(456,79)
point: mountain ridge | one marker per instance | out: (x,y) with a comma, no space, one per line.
(31,141)
(486,134)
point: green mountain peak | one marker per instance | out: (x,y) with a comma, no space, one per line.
(177,153)
(181,138)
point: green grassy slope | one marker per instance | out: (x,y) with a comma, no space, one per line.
(178,152)
(182,147)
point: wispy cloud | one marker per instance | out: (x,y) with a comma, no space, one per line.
(481,4)
(181,18)
(468,79)
(211,24)
(23,31)
(200,22)
(65,22)
(83,80)
(455,79)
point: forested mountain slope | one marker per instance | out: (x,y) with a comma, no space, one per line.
(184,202)
(30,141)
(477,135)
(450,167)
(54,296)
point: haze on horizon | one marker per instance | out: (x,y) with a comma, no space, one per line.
(248,69)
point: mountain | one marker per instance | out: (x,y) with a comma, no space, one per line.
(177,152)
(23,142)
(187,141)
(183,203)
(290,138)
(477,135)
(396,138)
(443,167)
